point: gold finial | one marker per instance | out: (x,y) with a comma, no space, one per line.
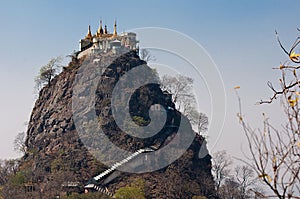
(89,34)
(105,29)
(100,29)
(115,28)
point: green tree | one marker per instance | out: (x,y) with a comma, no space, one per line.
(8,168)
(133,191)
(14,187)
(94,195)
(18,179)
(130,193)
(199,197)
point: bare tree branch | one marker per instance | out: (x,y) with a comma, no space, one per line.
(146,56)
(181,88)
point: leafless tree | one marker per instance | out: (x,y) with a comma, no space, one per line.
(247,180)
(221,167)
(239,183)
(202,123)
(146,55)
(19,143)
(9,183)
(229,189)
(275,153)
(275,157)
(181,88)
(7,168)
(55,185)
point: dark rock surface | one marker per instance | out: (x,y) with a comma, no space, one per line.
(54,145)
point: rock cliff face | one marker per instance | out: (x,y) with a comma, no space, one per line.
(56,148)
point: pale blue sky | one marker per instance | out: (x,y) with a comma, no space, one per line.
(239,36)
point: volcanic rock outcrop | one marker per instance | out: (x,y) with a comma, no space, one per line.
(57,152)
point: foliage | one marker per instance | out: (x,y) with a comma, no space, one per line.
(7,168)
(47,72)
(18,179)
(138,183)
(140,121)
(133,191)
(58,165)
(10,179)
(275,153)
(1,188)
(199,197)
(129,193)
(90,195)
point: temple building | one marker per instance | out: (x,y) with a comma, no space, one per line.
(103,41)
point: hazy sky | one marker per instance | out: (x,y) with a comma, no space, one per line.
(238,35)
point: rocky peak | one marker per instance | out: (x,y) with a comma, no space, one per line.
(56,146)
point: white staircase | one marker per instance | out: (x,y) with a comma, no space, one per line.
(112,168)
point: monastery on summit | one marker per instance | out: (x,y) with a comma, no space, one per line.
(103,41)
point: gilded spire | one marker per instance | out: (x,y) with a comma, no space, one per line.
(105,29)
(100,29)
(115,28)
(89,34)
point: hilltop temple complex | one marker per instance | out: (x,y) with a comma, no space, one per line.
(103,41)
